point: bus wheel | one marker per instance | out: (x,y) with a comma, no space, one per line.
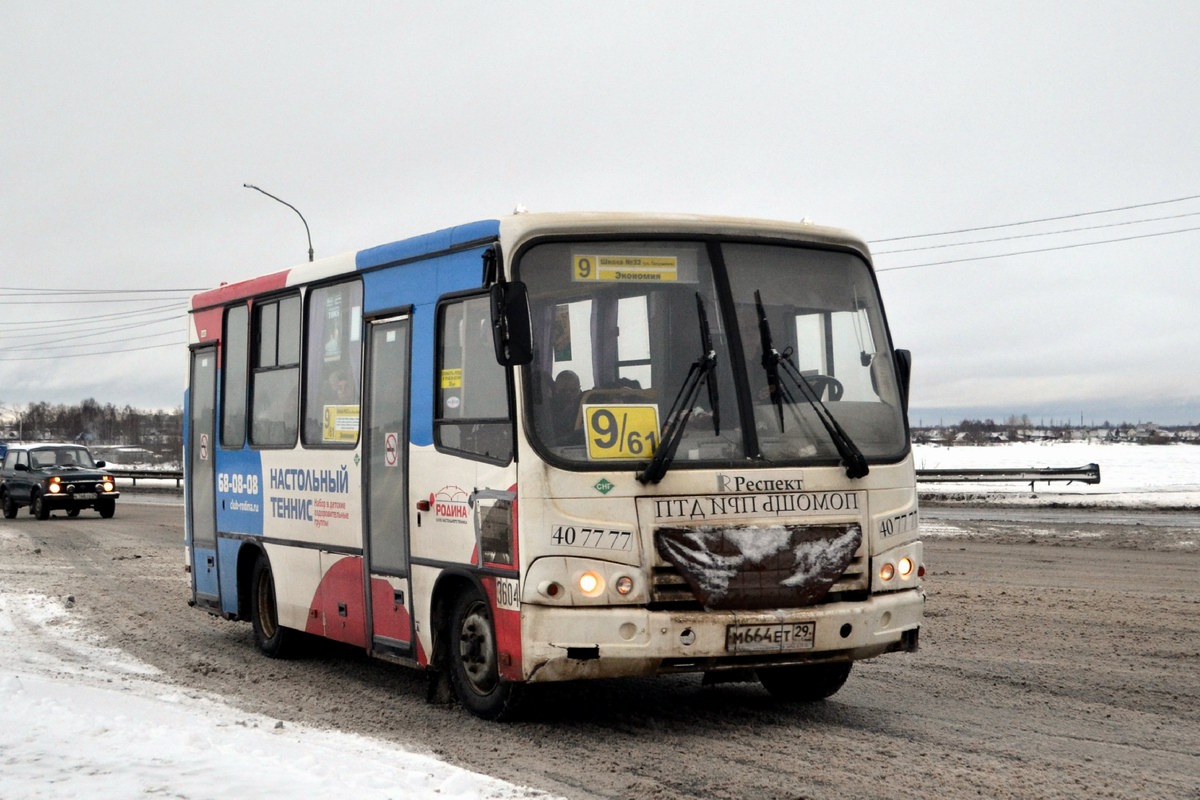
(474,673)
(107,508)
(10,508)
(40,508)
(804,683)
(271,637)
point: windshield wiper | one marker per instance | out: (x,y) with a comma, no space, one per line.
(681,409)
(852,458)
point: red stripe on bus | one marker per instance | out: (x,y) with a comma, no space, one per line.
(229,292)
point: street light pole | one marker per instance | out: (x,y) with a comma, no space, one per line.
(293,208)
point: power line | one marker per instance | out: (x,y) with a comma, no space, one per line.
(91,333)
(1034,235)
(90,355)
(103,328)
(37,290)
(44,302)
(74,321)
(1039,250)
(181,337)
(1032,221)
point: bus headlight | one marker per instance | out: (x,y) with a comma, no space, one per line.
(591,584)
(898,569)
(567,581)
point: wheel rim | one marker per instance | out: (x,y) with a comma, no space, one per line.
(477,649)
(266,604)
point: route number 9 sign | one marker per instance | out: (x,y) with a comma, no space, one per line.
(621,431)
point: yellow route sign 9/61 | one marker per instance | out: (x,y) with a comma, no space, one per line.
(621,431)
(626,269)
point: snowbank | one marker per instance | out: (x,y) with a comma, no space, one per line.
(1131,475)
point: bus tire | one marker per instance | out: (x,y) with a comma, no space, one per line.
(107,508)
(10,508)
(40,508)
(804,683)
(272,638)
(473,667)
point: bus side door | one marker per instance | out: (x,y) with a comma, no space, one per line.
(201,508)
(389,600)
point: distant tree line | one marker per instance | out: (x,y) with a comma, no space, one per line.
(1022,428)
(91,423)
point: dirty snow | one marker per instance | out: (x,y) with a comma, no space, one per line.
(81,720)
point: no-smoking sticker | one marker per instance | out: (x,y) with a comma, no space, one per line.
(391,449)
(204,447)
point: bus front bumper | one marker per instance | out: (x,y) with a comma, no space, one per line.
(609,642)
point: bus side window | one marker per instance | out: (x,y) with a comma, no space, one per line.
(233,378)
(332,377)
(275,383)
(471,415)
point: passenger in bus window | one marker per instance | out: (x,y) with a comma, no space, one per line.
(566,397)
(342,389)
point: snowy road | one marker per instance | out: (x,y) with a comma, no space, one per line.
(1057,660)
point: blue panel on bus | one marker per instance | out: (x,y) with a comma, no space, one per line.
(227,553)
(419,284)
(239,487)
(436,242)
(204,570)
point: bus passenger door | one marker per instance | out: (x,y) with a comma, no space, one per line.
(201,508)
(389,601)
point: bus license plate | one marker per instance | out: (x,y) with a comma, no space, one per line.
(784,637)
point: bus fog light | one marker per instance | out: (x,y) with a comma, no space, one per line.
(591,584)
(887,572)
(550,589)
(905,567)
(624,585)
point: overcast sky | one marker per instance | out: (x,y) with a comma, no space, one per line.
(128,129)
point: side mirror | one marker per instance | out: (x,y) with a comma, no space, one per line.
(512,332)
(903,375)
(21,467)
(101,464)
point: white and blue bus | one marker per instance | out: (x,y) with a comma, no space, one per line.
(561,446)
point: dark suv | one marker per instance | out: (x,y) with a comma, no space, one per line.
(49,476)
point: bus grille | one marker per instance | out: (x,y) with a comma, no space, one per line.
(671,591)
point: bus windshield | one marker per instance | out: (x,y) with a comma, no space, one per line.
(618,326)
